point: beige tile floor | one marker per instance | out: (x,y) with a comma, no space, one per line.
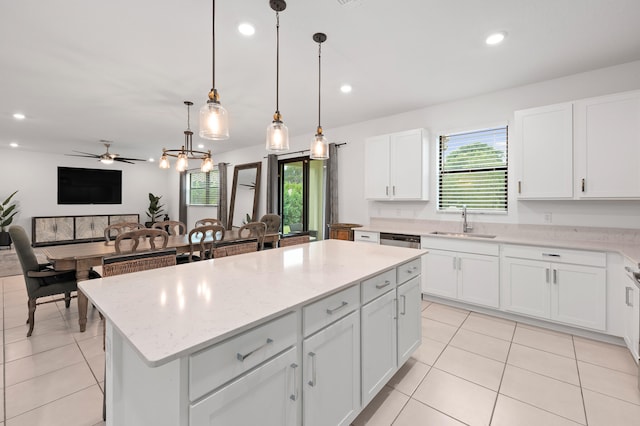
(471,369)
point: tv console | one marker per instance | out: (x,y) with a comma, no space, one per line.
(54,230)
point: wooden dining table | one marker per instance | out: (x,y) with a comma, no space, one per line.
(84,256)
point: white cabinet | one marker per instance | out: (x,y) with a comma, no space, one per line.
(567,286)
(331,378)
(544,142)
(366,237)
(409,319)
(271,391)
(465,270)
(607,138)
(631,310)
(396,166)
(90,227)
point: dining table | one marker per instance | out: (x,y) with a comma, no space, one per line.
(82,257)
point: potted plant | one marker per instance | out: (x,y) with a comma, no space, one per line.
(7,212)
(155,209)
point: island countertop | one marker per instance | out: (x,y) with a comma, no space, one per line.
(171,312)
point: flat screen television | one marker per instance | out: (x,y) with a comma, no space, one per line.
(89,186)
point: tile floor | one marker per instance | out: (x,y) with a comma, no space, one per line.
(471,369)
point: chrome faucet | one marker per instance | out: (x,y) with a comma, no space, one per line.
(465,226)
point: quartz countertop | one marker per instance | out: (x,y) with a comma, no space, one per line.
(597,239)
(171,312)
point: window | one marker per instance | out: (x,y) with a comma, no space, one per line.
(473,170)
(204,188)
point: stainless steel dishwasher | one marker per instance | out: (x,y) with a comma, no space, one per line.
(399,240)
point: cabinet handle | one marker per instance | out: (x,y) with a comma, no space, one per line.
(519,187)
(547,273)
(394,190)
(330,311)
(241,357)
(386,283)
(55,227)
(294,395)
(550,255)
(404,305)
(583,184)
(313,382)
(365,236)
(555,276)
(395,305)
(386,190)
(410,271)
(627,299)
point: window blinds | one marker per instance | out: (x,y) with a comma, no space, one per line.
(204,188)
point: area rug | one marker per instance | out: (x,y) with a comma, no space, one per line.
(10,265)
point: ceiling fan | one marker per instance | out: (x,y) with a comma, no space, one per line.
(107,157)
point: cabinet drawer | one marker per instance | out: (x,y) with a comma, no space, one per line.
(220,363)
(367,236)
(323,312)
(555,255)
(378,285)
(408,270)
(461,245)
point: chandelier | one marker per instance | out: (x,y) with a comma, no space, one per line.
(186,152)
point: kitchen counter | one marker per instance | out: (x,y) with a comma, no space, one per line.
(625,242)
(168,313)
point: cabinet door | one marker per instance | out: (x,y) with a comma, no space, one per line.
(270,391)
(45,229)
(379,352)
(88,227)
(526,286)
(478,279)
(64,228)
(440,273)
(579,295)
(631,309)
(607,138)
(544,137)
(409,320)
(376,168)
(331,379)
(406,158)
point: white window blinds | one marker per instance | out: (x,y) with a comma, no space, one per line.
(204,188)
(473,170)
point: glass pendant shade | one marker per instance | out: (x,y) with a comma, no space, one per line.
(164,162)
(214,121)
(277,137)
(319,148)
(207,165)
(182,163)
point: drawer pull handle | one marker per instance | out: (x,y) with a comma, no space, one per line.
(627,299)
(294,395)
(547,271)
(364,236)
(312,382)
(331,311)
(550,254)
(404,305)
(241,357)
(555,276)
(386,283)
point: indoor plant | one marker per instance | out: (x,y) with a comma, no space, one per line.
(7,212)
(155,209)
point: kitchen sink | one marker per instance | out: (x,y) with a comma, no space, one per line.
(461,234)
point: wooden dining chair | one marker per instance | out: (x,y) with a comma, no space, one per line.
(111,232)
(255,230)
(173,227)
(203,240)
(273,222)
(209,221)
(141,240)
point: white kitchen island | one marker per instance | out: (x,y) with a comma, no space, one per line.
(303,335)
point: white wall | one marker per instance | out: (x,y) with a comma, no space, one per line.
(34,175)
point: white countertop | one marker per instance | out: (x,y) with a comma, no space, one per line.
(171,312)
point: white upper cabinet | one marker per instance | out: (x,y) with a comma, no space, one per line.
(396,166)
(544,139)
(586,149)
(607,139)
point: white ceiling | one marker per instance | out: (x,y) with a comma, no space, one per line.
(85,70)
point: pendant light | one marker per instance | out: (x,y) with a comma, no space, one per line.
(214,122)
(277,132)
(319,146)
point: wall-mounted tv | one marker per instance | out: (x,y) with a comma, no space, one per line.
(89,186)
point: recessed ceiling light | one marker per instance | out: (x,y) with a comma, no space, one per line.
(13,144)
(246,29)
(496,38)
(151,160)
(19,116)
(200,146)
(346,88)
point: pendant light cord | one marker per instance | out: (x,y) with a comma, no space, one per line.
(213,46)
(319,79)
(277,61)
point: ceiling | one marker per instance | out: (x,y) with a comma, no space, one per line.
(119,70)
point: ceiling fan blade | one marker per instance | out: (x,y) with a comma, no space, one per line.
(128,159)
(87,155)
(123,161)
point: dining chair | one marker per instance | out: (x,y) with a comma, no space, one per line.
(256,230)
(112,231)
(209,221)
(173,227)
(141,240)
(40,278)
(273,222)
(203,239)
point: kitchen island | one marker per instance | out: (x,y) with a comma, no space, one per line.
(306,334)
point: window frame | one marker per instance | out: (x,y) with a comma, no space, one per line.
(216,202)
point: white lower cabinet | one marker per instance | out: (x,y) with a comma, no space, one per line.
(271,391)
(409,319)
(572,293)
(331,378)
(631,310)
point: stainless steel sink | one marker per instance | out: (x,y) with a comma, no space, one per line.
(461,234)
